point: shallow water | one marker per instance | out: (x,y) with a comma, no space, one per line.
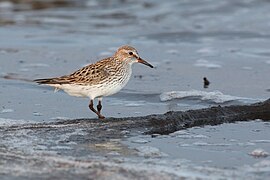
(211,145)
(225,41)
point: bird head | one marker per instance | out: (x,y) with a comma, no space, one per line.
(130,54)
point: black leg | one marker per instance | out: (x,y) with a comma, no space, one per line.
(91,107)
(99,107)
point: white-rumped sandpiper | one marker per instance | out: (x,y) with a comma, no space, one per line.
(104,78)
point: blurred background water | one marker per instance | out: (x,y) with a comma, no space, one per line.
(226,41)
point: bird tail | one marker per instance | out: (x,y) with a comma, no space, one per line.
(47,81)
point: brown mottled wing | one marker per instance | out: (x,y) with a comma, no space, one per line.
(90,75)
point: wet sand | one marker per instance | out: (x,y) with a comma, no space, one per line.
(103,148)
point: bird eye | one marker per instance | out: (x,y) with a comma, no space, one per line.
(130,53)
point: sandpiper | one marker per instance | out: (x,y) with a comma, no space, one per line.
(103,78)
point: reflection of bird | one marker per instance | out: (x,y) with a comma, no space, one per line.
(205,82)
(104,78)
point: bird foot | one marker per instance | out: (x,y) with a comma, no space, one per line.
(101,117)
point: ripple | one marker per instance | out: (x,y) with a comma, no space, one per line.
(207,64)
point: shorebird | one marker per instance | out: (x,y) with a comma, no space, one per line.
(103,78)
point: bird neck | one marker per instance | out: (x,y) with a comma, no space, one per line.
(125,63)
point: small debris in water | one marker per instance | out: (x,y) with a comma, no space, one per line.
(206,82)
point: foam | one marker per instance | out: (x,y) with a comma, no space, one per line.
(215,96)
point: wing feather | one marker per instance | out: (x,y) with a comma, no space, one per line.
(91,74)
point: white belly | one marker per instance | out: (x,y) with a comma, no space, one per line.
(100,90)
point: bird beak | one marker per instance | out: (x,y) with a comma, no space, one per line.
(140,60)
